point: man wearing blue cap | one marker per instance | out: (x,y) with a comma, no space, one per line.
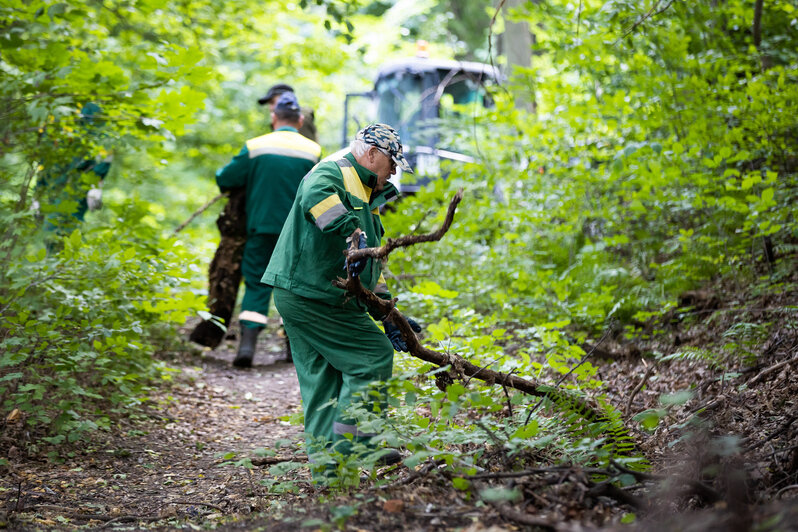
(337,348)
(270,167)
(308,127)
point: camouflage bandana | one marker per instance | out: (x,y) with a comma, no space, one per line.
(385,137)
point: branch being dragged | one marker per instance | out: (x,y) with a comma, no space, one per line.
(461,367)
(381,252)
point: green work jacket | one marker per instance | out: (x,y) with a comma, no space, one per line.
(333,200)
(270,167)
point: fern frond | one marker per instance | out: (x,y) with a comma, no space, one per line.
(694,354)
(586,420)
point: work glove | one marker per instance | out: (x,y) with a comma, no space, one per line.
(94,199)
(395,335)
(357,267)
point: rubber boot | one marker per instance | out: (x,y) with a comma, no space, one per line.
(246,349)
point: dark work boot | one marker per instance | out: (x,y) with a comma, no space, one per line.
(246,349)
(288,356)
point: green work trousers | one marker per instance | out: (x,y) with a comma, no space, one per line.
(337,352)
(257,253)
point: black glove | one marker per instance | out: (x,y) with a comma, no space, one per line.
(395,335)
(356,267)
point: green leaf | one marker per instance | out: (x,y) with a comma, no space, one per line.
(461,484)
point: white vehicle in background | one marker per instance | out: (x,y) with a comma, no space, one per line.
(411,95)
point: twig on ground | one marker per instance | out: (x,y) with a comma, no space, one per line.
(786,489)
(782,429)
(122,518)
(535,471)
(272,460)
(764,373)
(508,512)
(68,512)
(495,439)
(414,475)
(639,387)
(709,494)
(780,451)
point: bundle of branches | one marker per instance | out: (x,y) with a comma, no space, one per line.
(459,368)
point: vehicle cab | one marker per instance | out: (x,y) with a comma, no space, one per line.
(412,95)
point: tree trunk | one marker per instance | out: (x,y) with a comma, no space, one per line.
(224,274)
(764,59)
(516,45)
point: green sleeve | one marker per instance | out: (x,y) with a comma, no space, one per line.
(234,175)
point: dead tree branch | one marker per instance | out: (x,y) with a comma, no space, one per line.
(460,367)
(272,460)
(770,370)
(388,309)
(637,389)
(407,240)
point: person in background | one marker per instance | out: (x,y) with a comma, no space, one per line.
(270,167)
(337,348)
(308,127)
(68,191)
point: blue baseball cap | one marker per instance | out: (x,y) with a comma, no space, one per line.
(287,102)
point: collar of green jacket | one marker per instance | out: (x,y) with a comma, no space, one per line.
(287,128)
(368,177)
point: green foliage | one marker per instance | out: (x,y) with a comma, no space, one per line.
(649,167)
(662,154)
(467,427)
(177,90)
(79,329)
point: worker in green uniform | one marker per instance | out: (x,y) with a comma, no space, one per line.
(68,191)
(337,348)
(308,127)
(270,167)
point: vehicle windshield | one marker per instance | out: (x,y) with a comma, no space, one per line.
(407,100)
(399,98)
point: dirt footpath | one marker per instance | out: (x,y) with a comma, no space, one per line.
(180,466)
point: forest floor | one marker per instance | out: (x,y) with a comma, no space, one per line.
(196,459)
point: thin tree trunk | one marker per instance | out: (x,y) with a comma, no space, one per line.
(764,59)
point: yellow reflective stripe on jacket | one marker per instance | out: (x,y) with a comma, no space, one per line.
(286,143)
(354,185)
(327,210)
